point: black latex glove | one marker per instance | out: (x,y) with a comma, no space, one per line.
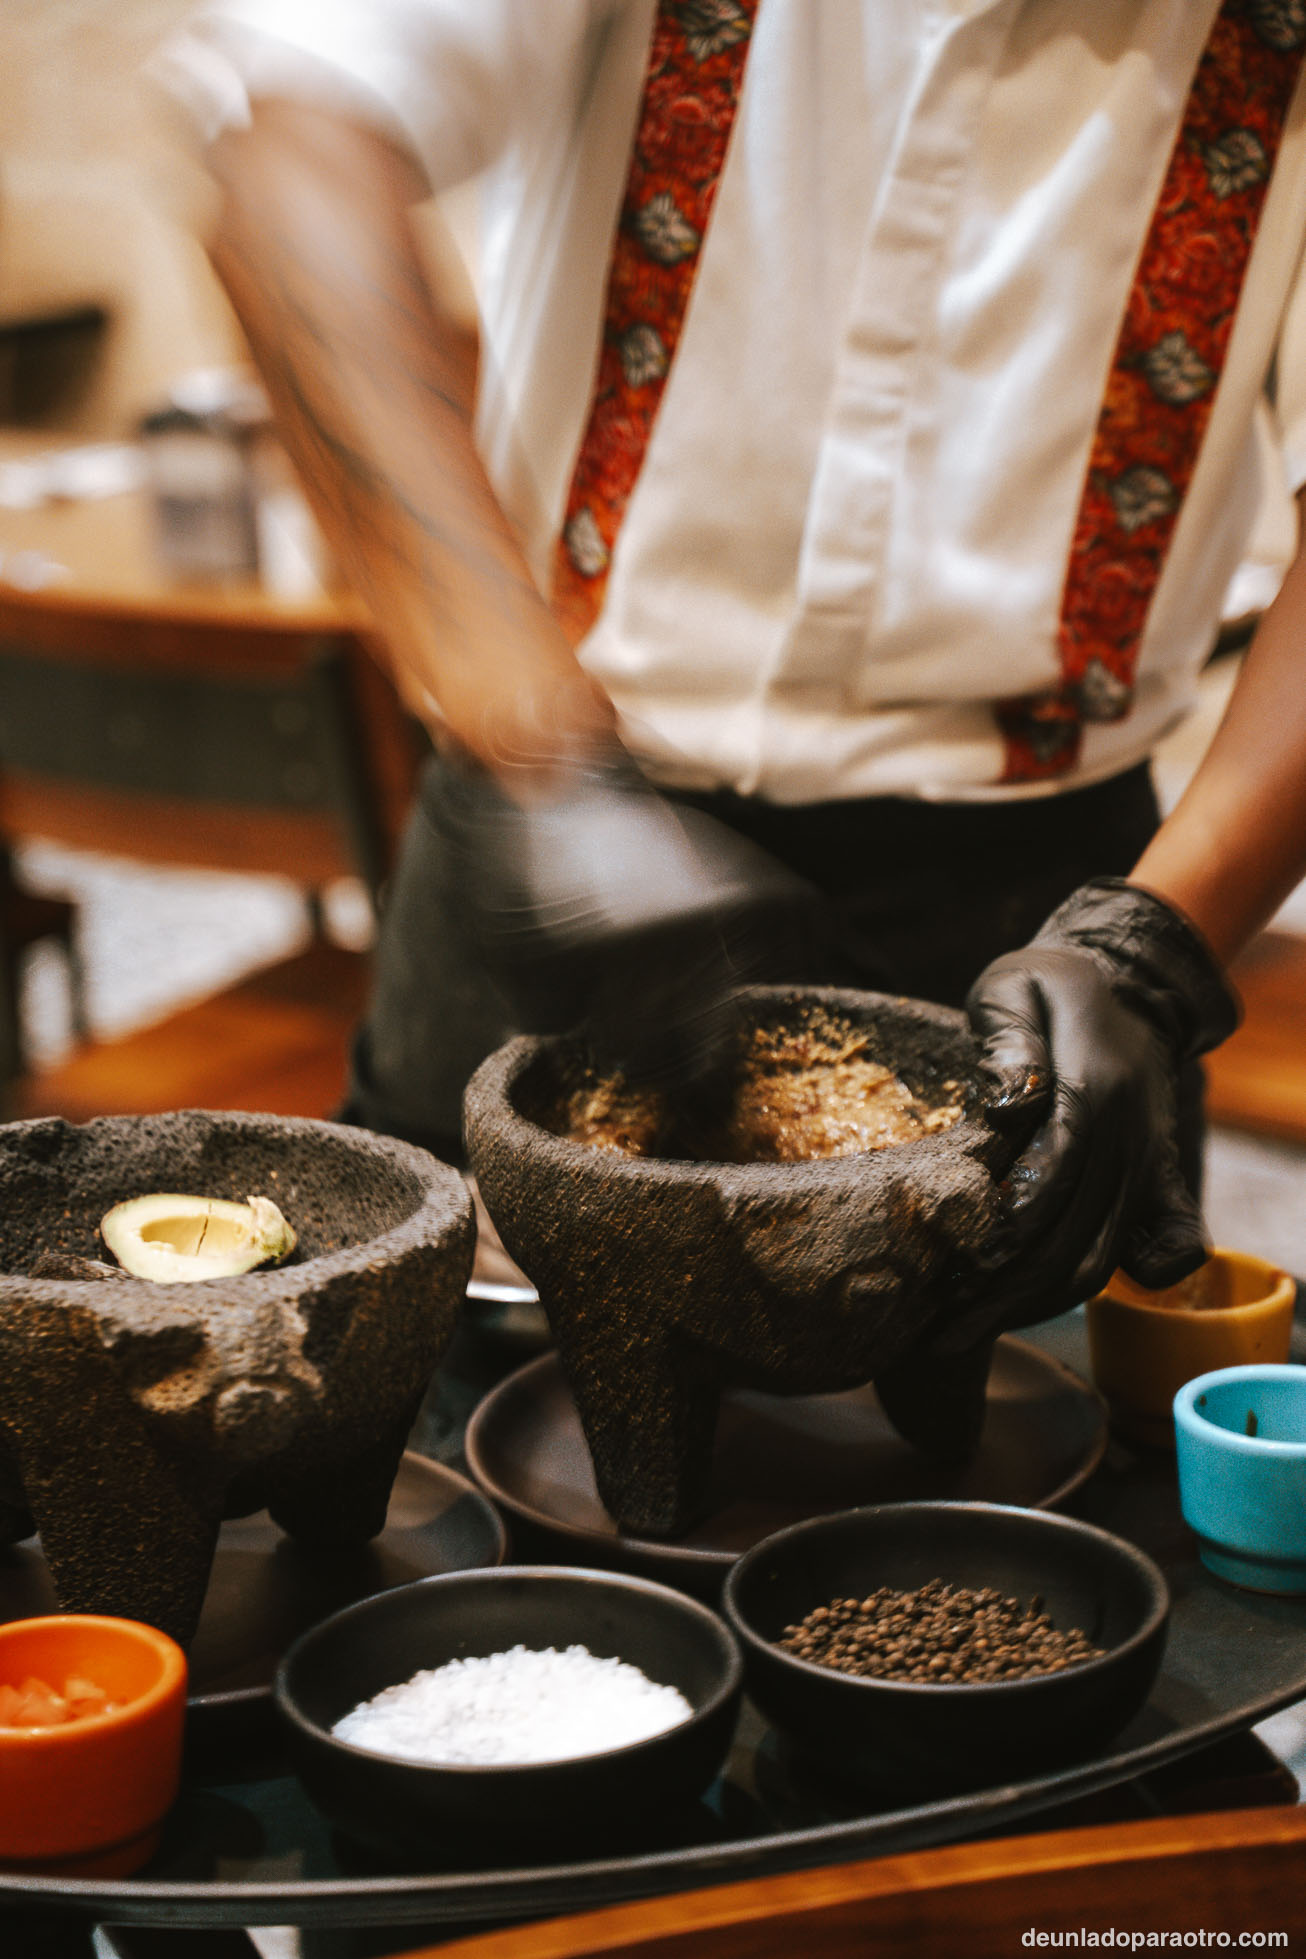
(1083,1033)
(1090,1024)
(600,905)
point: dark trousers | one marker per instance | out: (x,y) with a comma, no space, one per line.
(914,898)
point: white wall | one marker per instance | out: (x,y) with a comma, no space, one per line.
(96,199)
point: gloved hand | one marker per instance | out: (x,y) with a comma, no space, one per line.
(598,904)
(1083,1033)
(1089,1025)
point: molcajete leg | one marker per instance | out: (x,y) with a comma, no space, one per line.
(122,1529)
(648,1407)
(344,1501)
(937,1402)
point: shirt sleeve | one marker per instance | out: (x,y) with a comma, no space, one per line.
(1290,385)
(451,80)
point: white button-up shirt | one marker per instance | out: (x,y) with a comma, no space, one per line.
(851,530)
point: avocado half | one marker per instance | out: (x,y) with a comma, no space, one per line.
(174,1239)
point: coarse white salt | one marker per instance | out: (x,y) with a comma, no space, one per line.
(518,1706)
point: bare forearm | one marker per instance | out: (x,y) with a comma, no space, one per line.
(1235,846)
(372,391)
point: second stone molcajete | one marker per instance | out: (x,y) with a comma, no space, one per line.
(135,1416)
(666,1280)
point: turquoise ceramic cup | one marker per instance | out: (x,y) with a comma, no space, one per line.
(1240,1442)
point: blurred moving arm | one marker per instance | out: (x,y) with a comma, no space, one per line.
(370,380)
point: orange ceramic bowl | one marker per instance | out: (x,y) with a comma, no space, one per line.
(87,1798)
(1145,1345)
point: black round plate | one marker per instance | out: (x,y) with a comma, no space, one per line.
(780,1459)
(265,1589)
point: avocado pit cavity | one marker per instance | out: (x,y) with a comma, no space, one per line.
(172,1239)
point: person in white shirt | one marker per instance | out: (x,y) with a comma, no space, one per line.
(889,597)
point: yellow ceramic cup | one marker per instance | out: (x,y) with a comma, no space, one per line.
(1144,1345)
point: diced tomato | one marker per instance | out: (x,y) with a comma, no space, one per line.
(38,1705)
(84,1697)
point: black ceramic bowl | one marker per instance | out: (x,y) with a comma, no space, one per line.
(953,1735)
(409,1808)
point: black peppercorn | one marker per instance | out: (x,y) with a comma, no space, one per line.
(937,1633)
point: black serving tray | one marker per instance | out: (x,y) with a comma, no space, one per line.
(245,1847)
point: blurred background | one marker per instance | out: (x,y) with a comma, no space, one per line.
(203,769)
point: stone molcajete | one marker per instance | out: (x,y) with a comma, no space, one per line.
(666,1280)
(134,1416)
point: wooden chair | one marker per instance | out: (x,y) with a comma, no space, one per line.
(1232,1872)
(233,743)
(203,731)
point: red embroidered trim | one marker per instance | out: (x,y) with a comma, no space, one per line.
(1167,364)
(695,73)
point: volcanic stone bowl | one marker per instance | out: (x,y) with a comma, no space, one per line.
(134,1416)
(919,1736)
(665,1279)
(410,1808)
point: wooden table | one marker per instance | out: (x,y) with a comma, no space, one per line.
(101,554)
(1218,1875)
